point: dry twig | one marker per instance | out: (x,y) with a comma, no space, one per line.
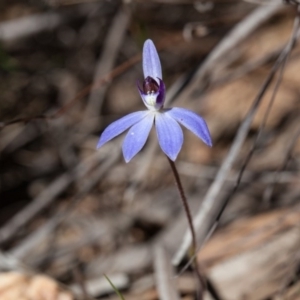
(209,209)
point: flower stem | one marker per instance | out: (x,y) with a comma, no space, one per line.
(191,225)
(185,205)
(204,283)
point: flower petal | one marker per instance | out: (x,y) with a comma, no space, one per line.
(192,122)
(161,94)
(169,133)
(137,137)
(151,62)
(119,126)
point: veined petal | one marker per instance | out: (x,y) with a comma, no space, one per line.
(192,122)
(137,137)
(119,126)
(169,133)
(151,62)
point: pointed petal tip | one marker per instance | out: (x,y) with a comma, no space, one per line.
(148,41)
(148,46)
(127,159)
(172,157)
(100,144)
(207,139)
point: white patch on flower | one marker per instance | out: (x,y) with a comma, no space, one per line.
(150,101)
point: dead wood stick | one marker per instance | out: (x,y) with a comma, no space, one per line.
(46,197)
(26,26)
(39,203)
(112,45)
(256,140)
(24,248)
(99,285)
(246,68)
(209,172)
(164,275)
(209,210)
(268,193)
(252,233)
(8,262)
(234,37)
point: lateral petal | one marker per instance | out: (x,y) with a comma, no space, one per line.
(137,137)
(119,126)
(192,122)
(169,133)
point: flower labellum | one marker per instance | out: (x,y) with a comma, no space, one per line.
(169,132)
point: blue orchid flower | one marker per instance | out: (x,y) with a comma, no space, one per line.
(166,120)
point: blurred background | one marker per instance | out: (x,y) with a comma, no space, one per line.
(70,214)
